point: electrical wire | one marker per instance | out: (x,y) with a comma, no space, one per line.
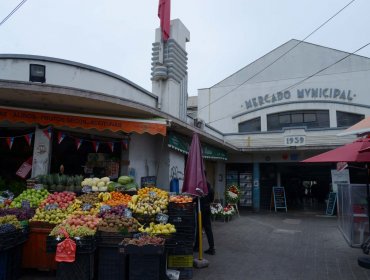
(12,12)
(263,69)
(309,77)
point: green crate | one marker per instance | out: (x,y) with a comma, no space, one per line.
(180,261)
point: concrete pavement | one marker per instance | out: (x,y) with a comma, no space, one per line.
(279,246)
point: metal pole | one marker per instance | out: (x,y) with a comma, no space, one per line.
(200,231)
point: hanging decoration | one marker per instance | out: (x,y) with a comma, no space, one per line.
(28,138)
(124,144)
(10,141)
(111,146)
(61,136)
(48,132)
(96,145)
(78,143)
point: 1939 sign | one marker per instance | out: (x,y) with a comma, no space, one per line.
(295,140)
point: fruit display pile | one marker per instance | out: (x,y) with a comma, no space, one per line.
(59,200)
(10,220)
(149,201)
(79,231)
(22,214)
(158,229)
(76,220)
(117,198)
(90,198)
(144,240)
(181,199)
(116,223)
(53,216)
(35,197)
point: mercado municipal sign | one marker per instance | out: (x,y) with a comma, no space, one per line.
(301,94)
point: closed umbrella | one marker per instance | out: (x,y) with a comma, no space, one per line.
(195,183)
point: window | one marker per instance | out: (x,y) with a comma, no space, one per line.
(306,118)
(297,118)
(345,119)
(252,125)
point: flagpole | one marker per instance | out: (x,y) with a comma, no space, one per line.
(200,256)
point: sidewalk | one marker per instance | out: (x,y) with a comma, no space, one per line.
(281,246)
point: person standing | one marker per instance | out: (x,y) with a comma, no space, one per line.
(205,207)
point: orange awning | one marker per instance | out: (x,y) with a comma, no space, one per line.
(151,126)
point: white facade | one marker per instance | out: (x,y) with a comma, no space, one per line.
(272,85)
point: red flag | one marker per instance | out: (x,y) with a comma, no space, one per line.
(47,132)
(28,138)
(96,145)
(164,13)
(10,141)
(78,143)
(111,146)
(61,136)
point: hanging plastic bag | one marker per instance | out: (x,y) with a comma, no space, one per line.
(66,250)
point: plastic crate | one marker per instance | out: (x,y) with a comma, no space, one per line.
(182,220)
(182,207)
(10,263)
(181,250)
(110,238)
(82,268)
(148,267)
(111,264)
(34,251)
(9,240)
(180,261)
(141,250)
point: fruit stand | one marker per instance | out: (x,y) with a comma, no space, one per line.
(101,230)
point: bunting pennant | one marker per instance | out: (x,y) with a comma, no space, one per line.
(78,143)
(47,132)
(10,141)
(28,138)
(61,136)
(124,144)
(96,145)
(111,146)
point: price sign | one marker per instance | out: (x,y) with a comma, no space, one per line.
(330,209)
(86,207)
(87,189)
(279,198)
(26,204)
(152,194)
(128,213)
(38,187)
(161,218)
(295,140)
(104,208)
(51,207)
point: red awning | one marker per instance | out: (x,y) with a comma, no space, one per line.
(151,126)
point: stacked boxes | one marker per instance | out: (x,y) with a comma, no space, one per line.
(180,257)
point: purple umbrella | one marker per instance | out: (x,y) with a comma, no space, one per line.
(195,182)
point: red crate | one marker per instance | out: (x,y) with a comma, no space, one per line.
(34,251)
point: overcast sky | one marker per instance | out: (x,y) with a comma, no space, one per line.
(225,36)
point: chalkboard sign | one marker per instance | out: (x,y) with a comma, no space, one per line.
(149,181)
(279,198)
(331,203)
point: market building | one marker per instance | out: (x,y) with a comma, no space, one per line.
(282,108)
(93,122)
